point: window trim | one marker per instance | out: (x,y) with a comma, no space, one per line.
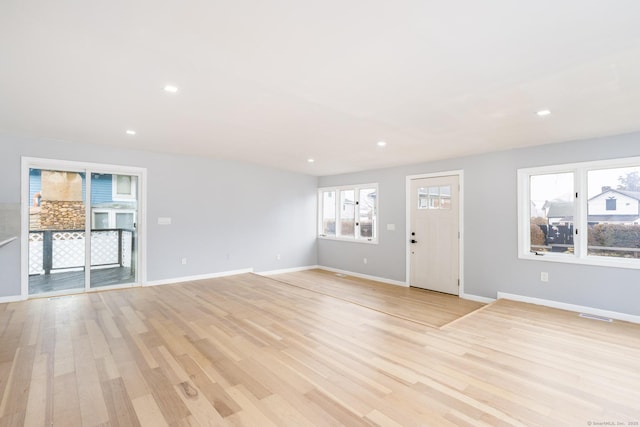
(580,255)
(356,237)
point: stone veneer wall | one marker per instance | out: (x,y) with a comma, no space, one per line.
(34,218)
(61,215)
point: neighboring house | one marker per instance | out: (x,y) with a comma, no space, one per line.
(609,207)
(113,198)
(559,212)
(113,201)
(614,207)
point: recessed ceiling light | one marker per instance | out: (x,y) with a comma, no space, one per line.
(169,88)
(131,132)
(382,144)
(310,160)
(543,113)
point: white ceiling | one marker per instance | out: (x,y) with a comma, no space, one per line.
(276,82)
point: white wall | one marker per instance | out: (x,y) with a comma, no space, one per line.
(491,261)
(225,215)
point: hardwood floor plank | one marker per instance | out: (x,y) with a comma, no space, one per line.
(166,395)
(66,402)
(64,360)
(118,403)
(16,393)
(36,412)
(250,415)
(380,419)
(283,412)
(215,394)
(337,410)
(234,374)
(133,379)
(92,407)
(148,412)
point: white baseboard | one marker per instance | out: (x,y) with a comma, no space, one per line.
(286,270)
(198,277)
(364,276)
(571,307)
(477,298)
(13,298)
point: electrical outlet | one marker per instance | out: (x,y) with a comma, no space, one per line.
(364,260)
(184,261)
(278,257)
(544,276)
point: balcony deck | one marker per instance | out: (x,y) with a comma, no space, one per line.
(71,280)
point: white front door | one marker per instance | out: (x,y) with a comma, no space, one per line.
(434,239)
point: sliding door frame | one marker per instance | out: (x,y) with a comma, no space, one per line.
(87,168)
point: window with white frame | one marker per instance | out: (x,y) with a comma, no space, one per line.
(586,213)
(104,218)
(348,213)
(123,187)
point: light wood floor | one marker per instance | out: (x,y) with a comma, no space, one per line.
(417,305)
(249,351)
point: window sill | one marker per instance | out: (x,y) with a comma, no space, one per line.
(594,261)
(341,239)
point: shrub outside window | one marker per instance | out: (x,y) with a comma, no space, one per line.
(586,213)
(348,213)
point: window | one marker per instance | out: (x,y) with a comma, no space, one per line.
(100,220)
(367,212)
(123,187)
(552,196)
(328,216)
(348,213)
(585,213)
(434,197)
(104,219)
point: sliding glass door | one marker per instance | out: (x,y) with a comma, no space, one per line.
(82,228)
(56,231)
(114,215)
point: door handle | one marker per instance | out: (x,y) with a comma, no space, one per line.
(414,241)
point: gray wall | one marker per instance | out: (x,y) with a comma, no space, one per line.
(253,213)
(226,215)
(491,261)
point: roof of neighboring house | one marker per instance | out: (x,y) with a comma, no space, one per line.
(616,218)
(560,210)
(632,194)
